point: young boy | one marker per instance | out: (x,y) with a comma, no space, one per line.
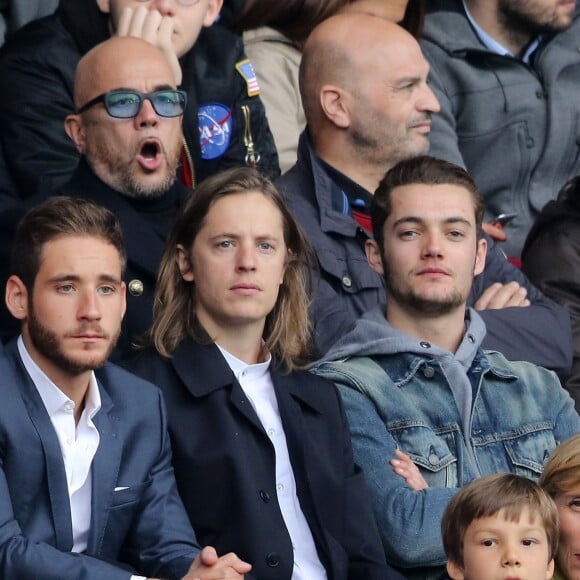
(501,526)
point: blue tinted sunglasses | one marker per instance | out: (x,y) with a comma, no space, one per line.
(126,104)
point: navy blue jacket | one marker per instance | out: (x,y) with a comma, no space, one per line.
(137,517)
(348,287)
(225,466)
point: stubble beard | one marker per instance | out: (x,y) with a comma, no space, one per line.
(412,302)
(519,24)
(47,343)
(124,176)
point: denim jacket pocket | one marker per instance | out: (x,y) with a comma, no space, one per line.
(430,449)
(529,451)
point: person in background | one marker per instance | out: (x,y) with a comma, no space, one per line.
(368,105)
(87,488)
(561,480)
(224,123)
(274,34)
(500,526)
(415,381)
(551,260)
(262,453)
(506,75)
(127,127)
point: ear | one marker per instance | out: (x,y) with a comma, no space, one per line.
(104,6)
(550,571)
(455,571)
(480,255)
(374,257)
(124,294)
(213,9)
(73,126)
(17,298)
(334,104)
(184,264)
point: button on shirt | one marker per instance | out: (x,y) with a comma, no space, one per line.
(256,383)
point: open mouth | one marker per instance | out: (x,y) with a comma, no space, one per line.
(149,156)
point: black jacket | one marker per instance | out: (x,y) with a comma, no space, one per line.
(551,259)
(225,466)
(348,287)
(143,244)
(37,69)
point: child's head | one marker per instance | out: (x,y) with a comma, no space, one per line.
(500,526)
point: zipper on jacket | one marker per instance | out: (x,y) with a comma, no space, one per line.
(189,162)
(252,159)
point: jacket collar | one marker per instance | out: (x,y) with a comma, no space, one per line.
(331,220)
(193,361)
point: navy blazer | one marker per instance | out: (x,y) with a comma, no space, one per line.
(137,516)
(225,466)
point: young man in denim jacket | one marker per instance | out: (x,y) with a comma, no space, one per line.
(418,381)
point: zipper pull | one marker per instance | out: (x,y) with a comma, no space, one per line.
(252,159)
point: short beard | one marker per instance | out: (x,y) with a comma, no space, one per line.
(46,343)
(418,304)
(521,26)
(120,175)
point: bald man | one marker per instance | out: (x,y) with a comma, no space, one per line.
(224,124)
(363,82)
(127,128)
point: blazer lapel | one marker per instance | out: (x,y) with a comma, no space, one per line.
(105,470)
(54,464)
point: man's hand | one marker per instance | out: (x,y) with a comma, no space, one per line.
(495,231)
(154,28)
(404,467)
(502,296)
(207,566)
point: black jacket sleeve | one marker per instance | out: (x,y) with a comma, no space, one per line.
(539,333)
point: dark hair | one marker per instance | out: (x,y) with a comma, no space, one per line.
(414,18)
(486,497)
(57,217)
(293,18)
(423,170)
(286,333)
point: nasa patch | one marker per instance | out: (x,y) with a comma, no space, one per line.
(215,129)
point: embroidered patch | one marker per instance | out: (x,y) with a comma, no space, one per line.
(246,69)
(215,129)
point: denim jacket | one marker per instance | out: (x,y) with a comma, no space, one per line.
(402,393)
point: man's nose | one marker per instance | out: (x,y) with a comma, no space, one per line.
(89,306)
(146,117)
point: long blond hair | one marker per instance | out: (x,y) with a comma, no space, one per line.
(287,329)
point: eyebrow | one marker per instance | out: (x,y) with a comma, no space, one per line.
(75,278)
(421,221)
(163,87)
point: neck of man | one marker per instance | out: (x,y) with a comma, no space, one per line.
(445,331)
(242,341)
(343,159)
(488,15)
(73,385)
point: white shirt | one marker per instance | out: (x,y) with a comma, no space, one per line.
(78,444)
(256,383)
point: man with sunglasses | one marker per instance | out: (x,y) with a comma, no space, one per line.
(127,128)
(224,122)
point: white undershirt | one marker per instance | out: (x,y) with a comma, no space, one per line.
(78,444)
(256,383)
